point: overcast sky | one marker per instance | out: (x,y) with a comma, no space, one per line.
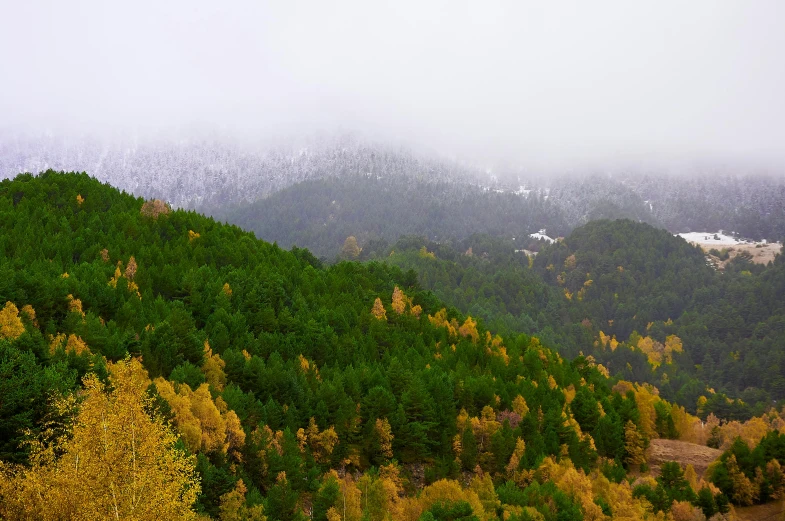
(562,83)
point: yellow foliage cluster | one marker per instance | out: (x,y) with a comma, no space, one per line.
(750,431)
(633,445)
(494,347)
(440,320)
(79,199)
(192,235)
(213,368)
(308,367)
(129,274)
(658,353)
(483,427)
(116,463)
(321,443)
(227,289)
(400,301)
(607,341)
(29,313)
(70,344)
(205,425)
(385,437)
(646,396)
(233,507)
(468,329)
(75,305)
(378,310)
(11,325)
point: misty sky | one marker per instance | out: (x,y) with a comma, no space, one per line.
(560,83)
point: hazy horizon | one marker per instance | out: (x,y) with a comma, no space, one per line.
(565,85)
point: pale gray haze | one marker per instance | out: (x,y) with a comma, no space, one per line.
(561,84)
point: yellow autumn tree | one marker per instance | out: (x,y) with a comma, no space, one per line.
(672,345)
(385,437)
(378,310)
(321,443)
(744,490)
(398,301)
(469,328)
(213,368)
(11,325)
(633,445)
(348,505)
(28,313)
(75,305)
(205,425)
(450,491)
(116,463)
(482,485)
(519,406)
(233,508)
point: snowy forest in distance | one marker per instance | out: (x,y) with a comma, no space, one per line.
(224,177)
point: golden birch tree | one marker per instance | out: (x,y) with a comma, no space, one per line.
(117,462)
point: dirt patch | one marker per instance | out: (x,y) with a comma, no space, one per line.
(767,512)
(759,253)
(699,456)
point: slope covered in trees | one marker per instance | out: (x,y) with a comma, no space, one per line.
(701,200)
(342,392)
(320,214)
(682,326)
(214,174)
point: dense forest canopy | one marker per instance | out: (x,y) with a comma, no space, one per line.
(688,329)
(320,214)
(276,387)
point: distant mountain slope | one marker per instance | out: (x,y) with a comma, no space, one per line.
(211,173)
(751,205)
(321,214)
(215,174)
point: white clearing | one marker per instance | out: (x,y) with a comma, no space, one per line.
(758,252)
(541,235)
(710,238)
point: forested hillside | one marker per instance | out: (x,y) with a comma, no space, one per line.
(309,191)
(210,172)
(702,200)
(293,389)
(321,214)
(689,330)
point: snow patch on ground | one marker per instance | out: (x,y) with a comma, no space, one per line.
(710,238)
(541,235)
